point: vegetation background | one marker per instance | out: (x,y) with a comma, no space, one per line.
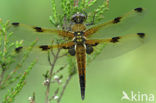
(106,79)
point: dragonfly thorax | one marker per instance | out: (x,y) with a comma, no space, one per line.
(79,38)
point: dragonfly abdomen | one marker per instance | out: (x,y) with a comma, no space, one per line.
(81,63)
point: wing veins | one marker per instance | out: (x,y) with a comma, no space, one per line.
(62,33)
(115,21)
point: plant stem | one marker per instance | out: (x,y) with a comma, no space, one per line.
(33,98)
(64,87)
(1,76)
(51,74)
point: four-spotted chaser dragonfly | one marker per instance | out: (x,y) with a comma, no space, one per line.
(79,44)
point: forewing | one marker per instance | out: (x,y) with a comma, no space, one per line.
(117,25)
(44,30)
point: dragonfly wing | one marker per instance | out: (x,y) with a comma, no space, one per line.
(117,25)
(41,52)
(48,47)
(63,45)
(43,30)
(116,46)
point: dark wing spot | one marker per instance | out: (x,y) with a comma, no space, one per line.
(138,9)
(17,50)
(95,44)
(15,24)
(64,47)
(116,20)
(115,39)
(141,35)
(44,47)
(38,29)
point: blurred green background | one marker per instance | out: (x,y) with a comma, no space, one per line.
(106,79)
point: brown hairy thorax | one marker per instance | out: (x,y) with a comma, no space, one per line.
(78,27)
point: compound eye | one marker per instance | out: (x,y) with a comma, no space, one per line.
(73,18)
(82,19)
(78,18)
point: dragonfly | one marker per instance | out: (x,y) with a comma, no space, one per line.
(79,45)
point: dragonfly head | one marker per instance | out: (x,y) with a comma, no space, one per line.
(78,18)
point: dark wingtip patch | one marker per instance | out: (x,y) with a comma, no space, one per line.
(117,20)
(17,50)
(115,39)
(15,24)
(38,29)
(138,9)
(44,47)
(141,35)
(95,44)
